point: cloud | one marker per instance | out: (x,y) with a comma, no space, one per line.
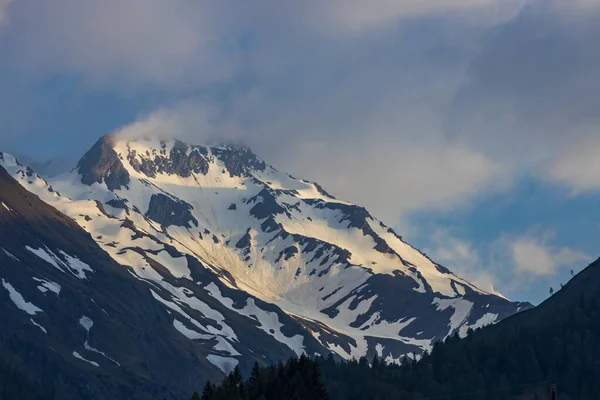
(430,104)
(406,174)
(152,42)
(401,106)
(508,264)
(578,165)
(350,16)
(534,86)
(170,123)
(461,257)
(357,88)
(185,44)
(410,172)
(3,7)
(534,256)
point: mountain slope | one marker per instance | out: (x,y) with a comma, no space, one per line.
(350,281)
(84,326)
(518,358)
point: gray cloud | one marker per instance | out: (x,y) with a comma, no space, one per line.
(534,88)
(183,44)
(400,106)
(3,7)
(441,101)
(159,43)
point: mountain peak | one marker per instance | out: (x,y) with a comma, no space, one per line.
(112,157)
(168,208)
(102,164)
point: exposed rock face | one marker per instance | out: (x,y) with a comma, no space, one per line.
(102,164)
(182,160)
(244,242)
(265,205)
(288,253)
(167,211)
(239,161)
(122,204)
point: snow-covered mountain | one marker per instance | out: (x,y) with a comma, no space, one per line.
(229,246)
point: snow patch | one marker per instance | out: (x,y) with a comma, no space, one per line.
(190,334)
(46,255)
(461,307)
(38,325)
(269,321)
(71,263)
(77,355)
(224,346)
(19,301)
(225,364)
(379,350)
(486,319)
(46,286)
(76,266)
(10,255)
(86,322)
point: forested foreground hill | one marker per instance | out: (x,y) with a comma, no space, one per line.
(516,359)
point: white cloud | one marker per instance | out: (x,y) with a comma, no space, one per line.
(534,256)
(408,173)
(508,264)
(460,256)
(169,123)
(578,165)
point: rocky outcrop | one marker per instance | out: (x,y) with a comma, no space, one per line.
(238,160)
(167,211)
(182,160)
(102,164)
(265,205)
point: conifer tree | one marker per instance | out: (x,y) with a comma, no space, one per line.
(208,391)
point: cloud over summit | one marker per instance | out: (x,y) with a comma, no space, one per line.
(432,105)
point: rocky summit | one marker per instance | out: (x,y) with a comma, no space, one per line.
(157,265)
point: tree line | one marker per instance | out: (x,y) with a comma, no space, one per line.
(516,359)
(297,379)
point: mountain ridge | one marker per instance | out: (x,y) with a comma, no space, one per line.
(354,285)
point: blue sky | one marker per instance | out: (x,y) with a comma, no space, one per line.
(471,126)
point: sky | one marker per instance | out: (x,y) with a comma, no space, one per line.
(470,126)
